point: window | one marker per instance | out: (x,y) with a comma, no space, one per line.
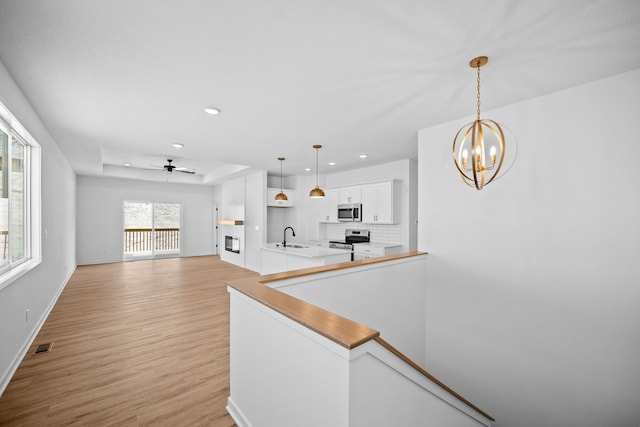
(19,199)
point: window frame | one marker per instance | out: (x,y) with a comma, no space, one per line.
(32,199)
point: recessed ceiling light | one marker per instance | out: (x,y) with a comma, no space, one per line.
(363,156)
(211,110)
(307,169)
(126,164)
(178,145)
(332,163)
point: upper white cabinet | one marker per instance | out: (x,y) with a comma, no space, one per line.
(272,202)
(350,194)
(379,202)
(329,209)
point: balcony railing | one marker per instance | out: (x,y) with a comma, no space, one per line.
(137,240)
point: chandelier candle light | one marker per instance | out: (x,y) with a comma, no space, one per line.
(281,195)
(474,140)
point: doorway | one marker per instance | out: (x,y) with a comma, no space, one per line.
(151,230)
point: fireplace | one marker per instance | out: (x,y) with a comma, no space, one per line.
(232,244)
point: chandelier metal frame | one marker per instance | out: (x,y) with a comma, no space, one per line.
(470,141)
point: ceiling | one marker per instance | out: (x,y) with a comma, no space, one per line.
(120,81)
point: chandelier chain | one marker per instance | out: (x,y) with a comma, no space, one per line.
(478,91)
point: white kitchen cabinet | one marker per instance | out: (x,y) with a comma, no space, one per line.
(379,202)
(373,250)
(329,212)
(272,202)
(351,194)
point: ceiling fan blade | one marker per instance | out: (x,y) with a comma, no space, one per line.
(191,172)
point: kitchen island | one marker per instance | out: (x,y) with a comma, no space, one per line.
(276,258)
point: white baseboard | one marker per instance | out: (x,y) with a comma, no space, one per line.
(99,261)
(236,414)
(13,367)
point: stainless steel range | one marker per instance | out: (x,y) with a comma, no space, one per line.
(351,237)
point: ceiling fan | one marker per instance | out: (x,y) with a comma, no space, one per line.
(170,167)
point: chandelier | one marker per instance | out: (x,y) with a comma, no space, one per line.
(479,147)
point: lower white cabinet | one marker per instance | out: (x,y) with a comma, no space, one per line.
(373,250)
(275,259)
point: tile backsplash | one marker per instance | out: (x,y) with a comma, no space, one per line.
(379,233)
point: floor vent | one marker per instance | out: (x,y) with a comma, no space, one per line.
(44,348)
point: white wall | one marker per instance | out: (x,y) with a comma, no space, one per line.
(38,289)
(306,217)
(386,392)
(388,297)
(312,381)
(231,207)
(245,198)
(533,308)
(279,218)
(282,375)
(100,215)
(255,218)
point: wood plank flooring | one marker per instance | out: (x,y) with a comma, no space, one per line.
(136,343)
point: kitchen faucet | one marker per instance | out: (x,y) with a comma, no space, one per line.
(284,239)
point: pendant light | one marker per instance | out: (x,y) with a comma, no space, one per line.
(317,192)
(281,195)
(479,147)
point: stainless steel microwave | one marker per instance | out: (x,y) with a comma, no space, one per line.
(350,212)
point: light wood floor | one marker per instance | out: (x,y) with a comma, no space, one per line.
(137,343)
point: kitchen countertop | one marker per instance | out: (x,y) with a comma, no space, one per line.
(307,251)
